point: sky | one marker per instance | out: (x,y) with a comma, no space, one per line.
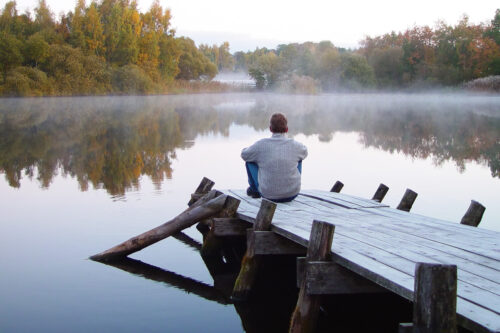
(267,23)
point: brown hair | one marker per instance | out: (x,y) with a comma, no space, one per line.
(278,123)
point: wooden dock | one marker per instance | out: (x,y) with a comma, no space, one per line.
(383,245)
(347,245)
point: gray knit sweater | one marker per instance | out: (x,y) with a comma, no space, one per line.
(277,158)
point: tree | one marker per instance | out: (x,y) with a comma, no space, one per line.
(36,50)
(93,31)
(193,64)
(77,36)
(355,71)
(267,71)
(10,52)
(43,16)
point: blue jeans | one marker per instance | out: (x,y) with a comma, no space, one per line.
(253,179)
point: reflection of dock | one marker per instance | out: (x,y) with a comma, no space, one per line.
(353,247)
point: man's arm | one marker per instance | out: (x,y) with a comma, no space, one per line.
(249,154)
(302,151)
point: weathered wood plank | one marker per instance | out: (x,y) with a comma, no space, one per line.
(339,198)
(329,278)
(270,243)
(230,227)
(470,272)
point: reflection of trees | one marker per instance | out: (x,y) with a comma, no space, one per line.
(453,128)
(111,142)
(108,145)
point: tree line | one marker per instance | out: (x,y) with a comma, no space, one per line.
(110,47)
(105,47)
(444,55)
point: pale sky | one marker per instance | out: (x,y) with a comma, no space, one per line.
(248,24)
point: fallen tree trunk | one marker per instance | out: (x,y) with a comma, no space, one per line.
(182,221)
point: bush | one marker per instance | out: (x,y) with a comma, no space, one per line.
(131,79)
(26,81)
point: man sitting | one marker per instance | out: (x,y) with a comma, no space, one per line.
(274,164)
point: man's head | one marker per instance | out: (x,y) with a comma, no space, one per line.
(278,123)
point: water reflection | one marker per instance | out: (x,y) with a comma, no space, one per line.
(110,142)
(150,272)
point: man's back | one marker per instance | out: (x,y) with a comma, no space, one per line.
(277,158)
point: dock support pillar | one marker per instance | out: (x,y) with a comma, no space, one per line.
(435,298)
(474,214)
(202,189)
(211,243)
(306,312)
(250,262)
(380,193)
(337,187)
(407,200)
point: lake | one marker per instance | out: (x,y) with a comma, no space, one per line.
(81,174)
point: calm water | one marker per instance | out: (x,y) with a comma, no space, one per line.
(79,175)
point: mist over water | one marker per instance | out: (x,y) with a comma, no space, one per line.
(81,174)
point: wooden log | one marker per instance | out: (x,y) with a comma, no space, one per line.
(330,278)
(435,298)
(380,193)
(306,312)
(270,243)
(407,200)
(474,214)
(180,222)
(204,187)
(250,263)
(337,187)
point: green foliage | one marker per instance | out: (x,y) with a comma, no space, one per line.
(193,64)
(10,52)
(356,72)
(219,56)
(267,70)
(131,79)
(97,49)
(26,81)
(36,50)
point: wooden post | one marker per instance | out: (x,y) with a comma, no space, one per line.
(306,312)
(474,214)
(380,193)
(435,298)
(204,187)
(250,262)
(407,200)
(182,221)
(211,244)
(337,187)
